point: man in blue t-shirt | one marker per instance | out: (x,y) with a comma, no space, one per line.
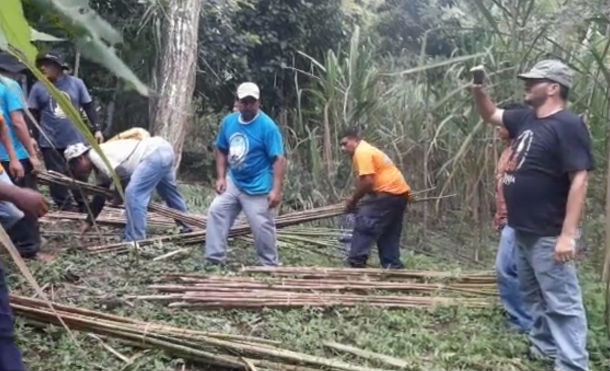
(545,186)
(25,233)
(249,145)
(57,130)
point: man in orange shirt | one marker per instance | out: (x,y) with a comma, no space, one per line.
(379,216)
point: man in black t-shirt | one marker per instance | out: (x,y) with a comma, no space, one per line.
(545,187)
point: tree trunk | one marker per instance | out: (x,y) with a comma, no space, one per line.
(171,107)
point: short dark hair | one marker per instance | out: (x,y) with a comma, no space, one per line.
(351,132)
(564,92)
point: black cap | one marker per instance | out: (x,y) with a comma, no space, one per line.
(52,57)
(10,63)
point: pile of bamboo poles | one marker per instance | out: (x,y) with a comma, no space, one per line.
(205,291)
(109,216)
(474,277)
(244,299)
(51,177)
(238,230)
(192,282)
(217,349)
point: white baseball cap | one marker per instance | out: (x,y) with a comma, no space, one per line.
(75,150)
(248,89)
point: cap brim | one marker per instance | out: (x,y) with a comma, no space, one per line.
(77,155)
(246,96)
(40,61)
(530,76)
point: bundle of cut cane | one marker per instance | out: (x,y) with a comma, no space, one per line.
(109,216)
(51,177)
(193,282)
(217,349)
(205,291)
(474,277)
(233,298)
(238,230)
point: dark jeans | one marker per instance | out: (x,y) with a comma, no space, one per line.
(25,234)
(10,356)
(54,160)
(378,219)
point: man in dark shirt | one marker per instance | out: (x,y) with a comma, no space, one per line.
(545,187)
(58,131)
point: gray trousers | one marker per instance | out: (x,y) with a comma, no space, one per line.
(221,216)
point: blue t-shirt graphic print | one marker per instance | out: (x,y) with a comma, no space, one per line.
(251,150)
(238,149)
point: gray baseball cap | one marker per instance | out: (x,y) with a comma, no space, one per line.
(550,69)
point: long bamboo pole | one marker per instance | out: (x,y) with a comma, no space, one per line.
(52,177)
(194,345)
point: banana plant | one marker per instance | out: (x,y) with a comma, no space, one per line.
(91,33)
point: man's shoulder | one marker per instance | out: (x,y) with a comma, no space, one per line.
(364,149)
(568,117)
(366,146)
(524,113)
(38,87)
(267,120)
(229,120)
(10,83)
(74,81)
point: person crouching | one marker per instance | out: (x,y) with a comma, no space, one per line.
(143,165)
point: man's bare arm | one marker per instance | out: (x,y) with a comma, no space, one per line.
(15,167)
(565,248)
(221,171)
(488,111)
(364,186)
(576,200)
(279,169)
(23,134)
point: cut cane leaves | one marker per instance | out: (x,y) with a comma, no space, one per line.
(95,50)
(83,24)
(15,28)
(95,37)
(36,35)
(80,18)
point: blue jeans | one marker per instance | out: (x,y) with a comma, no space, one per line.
(156,171)
(559,329)
(519,314)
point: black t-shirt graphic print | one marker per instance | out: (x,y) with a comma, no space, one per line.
(545,151)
